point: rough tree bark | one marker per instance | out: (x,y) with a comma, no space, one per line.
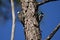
(30,18)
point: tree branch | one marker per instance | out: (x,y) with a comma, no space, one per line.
(53,32)
(13,20)
(43,2)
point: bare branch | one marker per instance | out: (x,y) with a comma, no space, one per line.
(13,20)
(53,32)
(43,2)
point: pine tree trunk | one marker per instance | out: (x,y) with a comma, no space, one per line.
(30,19)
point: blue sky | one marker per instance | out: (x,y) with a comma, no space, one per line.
(50,20)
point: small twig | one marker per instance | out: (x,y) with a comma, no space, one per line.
(13,20)
(53,32)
